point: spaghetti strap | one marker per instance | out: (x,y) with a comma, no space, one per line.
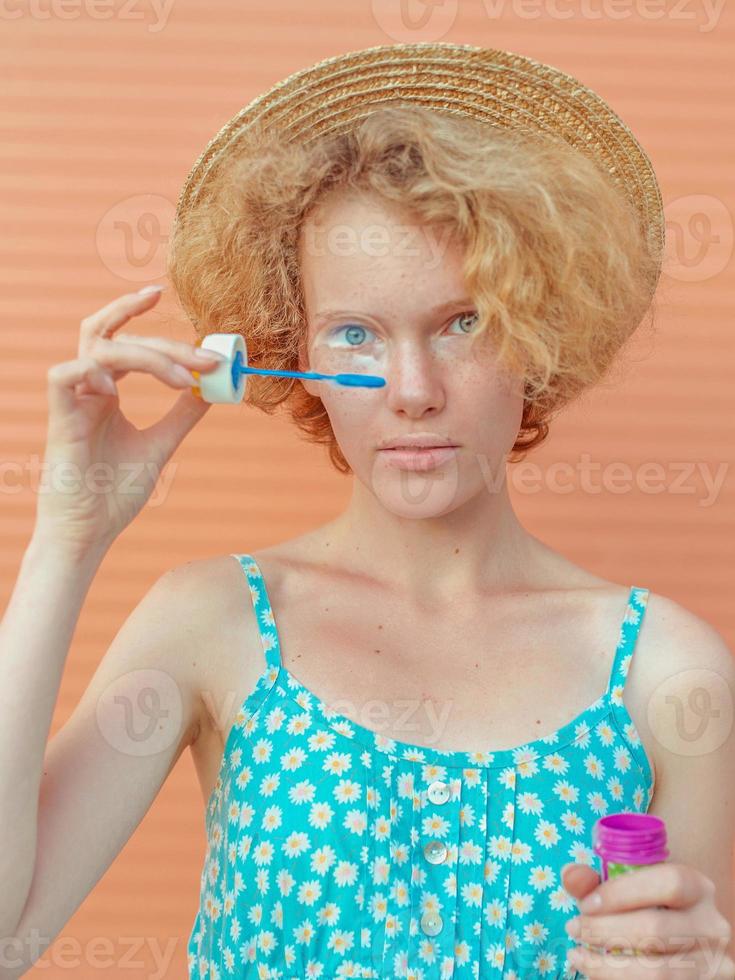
(629,630)
(627,636)
(263,611)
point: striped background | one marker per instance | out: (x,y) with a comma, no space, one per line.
(101,119)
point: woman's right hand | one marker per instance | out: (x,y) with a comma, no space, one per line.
(99,469)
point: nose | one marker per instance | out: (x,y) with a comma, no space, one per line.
(416,381)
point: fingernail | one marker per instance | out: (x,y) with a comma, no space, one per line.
(150,289)
(208,355)
(590,903)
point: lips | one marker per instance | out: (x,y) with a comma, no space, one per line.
(417,458)
(417,440)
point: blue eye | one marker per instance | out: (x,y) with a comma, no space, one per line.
(354,335)
(467,315)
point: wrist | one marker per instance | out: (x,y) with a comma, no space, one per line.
(47,547)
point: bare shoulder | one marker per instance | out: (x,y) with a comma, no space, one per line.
(223,644)
(678,639)
(683,668)
(208,599)
(206,587)
(679,653)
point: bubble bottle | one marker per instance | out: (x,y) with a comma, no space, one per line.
(625,841)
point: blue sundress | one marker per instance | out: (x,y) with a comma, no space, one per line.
(333,851)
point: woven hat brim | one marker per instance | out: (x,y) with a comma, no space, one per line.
(496,86)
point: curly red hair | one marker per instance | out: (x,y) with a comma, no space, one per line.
(554,256)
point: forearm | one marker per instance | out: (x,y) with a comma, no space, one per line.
(35,635)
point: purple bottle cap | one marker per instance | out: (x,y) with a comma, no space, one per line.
(630,838)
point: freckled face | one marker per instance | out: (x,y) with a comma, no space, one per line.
(382,276)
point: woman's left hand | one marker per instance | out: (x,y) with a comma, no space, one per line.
(667,912)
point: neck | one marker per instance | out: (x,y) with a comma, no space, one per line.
(477,549)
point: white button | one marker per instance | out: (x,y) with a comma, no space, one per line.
(431,923)
(438,792)
(435,852)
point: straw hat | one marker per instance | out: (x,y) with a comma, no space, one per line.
(499,87)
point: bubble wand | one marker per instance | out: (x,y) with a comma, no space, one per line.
(226,383)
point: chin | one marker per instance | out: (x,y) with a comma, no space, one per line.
(417,495)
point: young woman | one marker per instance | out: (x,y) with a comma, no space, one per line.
(408,719)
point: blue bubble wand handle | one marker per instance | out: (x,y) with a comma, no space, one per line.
(350,380)
(226,384)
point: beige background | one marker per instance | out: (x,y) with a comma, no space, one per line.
(102,117)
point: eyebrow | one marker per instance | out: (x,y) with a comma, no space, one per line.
(436,311)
